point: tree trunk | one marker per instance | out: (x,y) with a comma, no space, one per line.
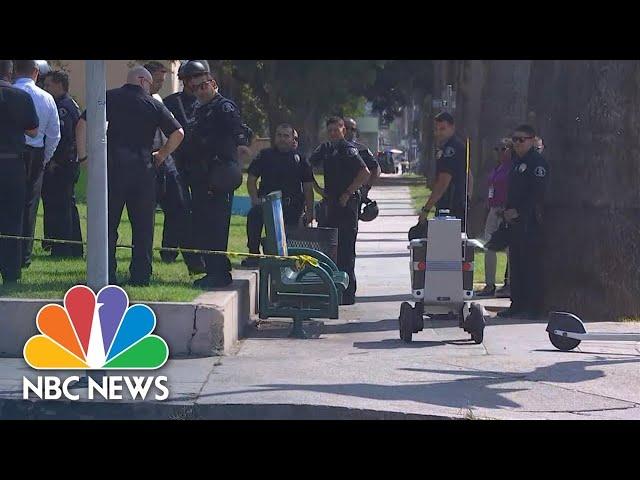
(589,116)
(503,87)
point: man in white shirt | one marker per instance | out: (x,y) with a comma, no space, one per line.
(39,149)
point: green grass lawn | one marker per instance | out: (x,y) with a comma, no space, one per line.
(419,195)
(49,277)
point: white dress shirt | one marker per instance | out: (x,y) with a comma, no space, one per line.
(49,129)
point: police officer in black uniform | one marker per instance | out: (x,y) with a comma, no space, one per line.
(372,164)
(134,116)
(61,219)
(523,212)
(17,117)
(278,168)
(217,135)
(450,188)
(182,105)
(344,173)
(172,193)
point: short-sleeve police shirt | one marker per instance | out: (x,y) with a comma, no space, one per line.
(17,114)
(134,116)
(367,156)
(69,113)
(285,171)
(451,159)
(341,162)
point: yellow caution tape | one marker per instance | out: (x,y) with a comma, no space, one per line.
(301,260)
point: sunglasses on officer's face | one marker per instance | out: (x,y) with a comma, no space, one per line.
(520,139)
(200,86)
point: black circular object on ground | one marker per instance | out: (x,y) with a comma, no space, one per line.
(406,322)
(474,323)
(567,322)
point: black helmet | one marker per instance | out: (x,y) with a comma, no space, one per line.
(43,67)
(192,68)
(370,211)
(419,230)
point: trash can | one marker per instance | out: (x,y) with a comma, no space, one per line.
(323,239)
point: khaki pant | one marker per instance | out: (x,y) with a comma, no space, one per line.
(494,219)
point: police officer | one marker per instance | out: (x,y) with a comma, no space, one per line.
(344,173)
(17,117)
(182,105)
(351,135)
(172,193)
(61,219)
(278,168)
(523,212)
(134,116)
(218,136)
(450,188)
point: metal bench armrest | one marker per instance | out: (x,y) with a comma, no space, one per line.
(315,254)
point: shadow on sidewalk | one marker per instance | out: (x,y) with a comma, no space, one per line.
(477,388)
(385,298)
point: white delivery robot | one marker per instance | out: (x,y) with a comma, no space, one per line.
(442,280)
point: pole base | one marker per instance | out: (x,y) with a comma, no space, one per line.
(297,331)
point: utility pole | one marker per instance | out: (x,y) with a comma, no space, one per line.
(97,234)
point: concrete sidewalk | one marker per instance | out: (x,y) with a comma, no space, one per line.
(357,367)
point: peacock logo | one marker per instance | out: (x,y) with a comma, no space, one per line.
(96,332)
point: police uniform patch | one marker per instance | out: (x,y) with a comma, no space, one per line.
(296,157)
(62,112)
(227,107)
(522,167)
(352,151)
(540,171)
(449,151)
(438,154)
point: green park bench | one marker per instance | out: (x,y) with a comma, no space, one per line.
(287,291)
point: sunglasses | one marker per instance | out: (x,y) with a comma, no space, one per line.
(520,139)
(200,86)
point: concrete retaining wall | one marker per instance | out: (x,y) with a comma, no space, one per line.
(210,325)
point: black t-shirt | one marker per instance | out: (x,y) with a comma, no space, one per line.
(451,159)
(17,114)
(341,162)
(134,116)
(285,171)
